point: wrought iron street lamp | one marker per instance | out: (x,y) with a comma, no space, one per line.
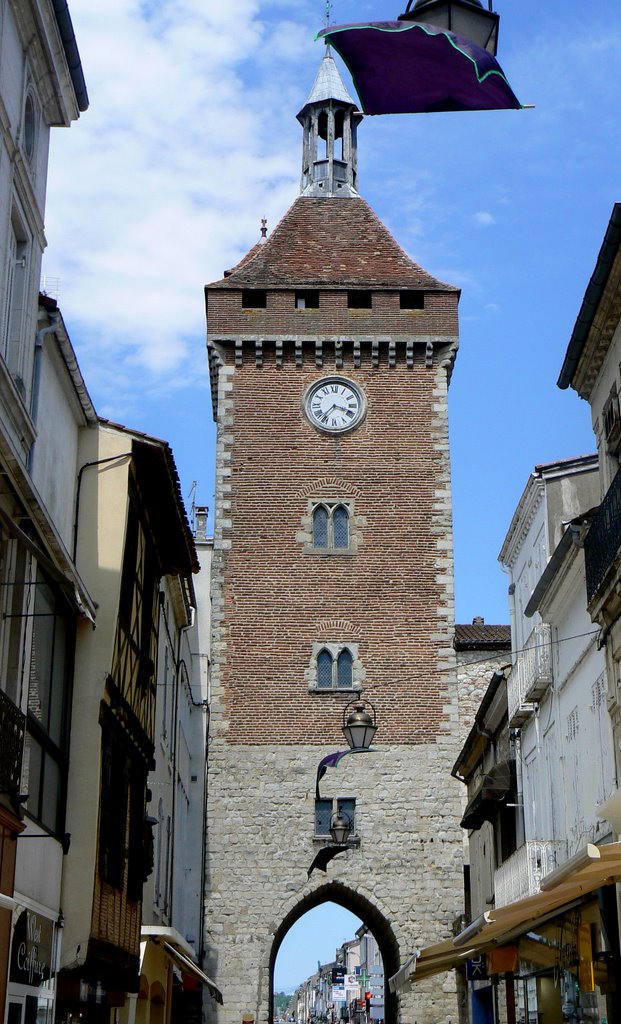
(467,18)
(359,726)
(340,827)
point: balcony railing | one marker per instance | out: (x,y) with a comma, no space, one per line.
(12,730)
(603,540)
(521,874)
(531,675)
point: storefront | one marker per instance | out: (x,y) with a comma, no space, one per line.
(171,982)
(33,958)
(552,958)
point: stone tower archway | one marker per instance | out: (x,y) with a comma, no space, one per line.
(369,914)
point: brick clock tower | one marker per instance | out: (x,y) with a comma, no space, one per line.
(330,354)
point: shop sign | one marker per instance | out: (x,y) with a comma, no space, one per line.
(338,993)
(31,951)
(477,969)
(338,973)
(502,960)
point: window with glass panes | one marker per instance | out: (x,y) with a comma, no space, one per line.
(324,810)
(331,526)
(49,697)
(335,672)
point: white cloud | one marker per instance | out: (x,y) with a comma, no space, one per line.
(162,183)
(191,139)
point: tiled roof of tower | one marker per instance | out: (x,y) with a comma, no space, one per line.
(330,242)
(479,636)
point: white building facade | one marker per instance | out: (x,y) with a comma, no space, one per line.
(556,688)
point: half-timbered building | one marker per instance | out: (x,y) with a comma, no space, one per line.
(131,533)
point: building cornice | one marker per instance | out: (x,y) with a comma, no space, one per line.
(598,317)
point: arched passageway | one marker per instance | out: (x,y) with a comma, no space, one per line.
(336,892)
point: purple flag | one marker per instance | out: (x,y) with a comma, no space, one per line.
(330,761)
(401,67)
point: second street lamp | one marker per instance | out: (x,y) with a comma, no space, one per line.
(340,827)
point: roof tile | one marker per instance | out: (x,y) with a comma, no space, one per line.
(331,243)
(479,636)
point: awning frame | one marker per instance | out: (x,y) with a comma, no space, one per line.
(561,890)
(190,967)
(170,941)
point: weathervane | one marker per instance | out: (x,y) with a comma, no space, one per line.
(328,12)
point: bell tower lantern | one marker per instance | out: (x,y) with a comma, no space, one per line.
(330,121)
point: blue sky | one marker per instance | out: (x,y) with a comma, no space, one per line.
(191,139)
(313,939)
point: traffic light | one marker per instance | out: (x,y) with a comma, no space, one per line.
(367,999)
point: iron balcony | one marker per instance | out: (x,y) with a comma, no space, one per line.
(602,543)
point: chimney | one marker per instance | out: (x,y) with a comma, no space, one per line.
(201,513)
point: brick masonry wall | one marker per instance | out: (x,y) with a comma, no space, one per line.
(280,317)
(271,600)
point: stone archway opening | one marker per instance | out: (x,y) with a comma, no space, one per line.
(361,907)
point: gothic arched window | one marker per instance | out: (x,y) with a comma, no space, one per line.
(335,671)
(324,670)
(331,526)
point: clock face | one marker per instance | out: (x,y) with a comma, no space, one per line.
(334,404)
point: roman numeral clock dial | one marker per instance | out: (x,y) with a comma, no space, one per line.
(334,405)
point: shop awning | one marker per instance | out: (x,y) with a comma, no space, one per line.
(189,967)
(592,868)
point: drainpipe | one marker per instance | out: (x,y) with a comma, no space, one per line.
(36,374)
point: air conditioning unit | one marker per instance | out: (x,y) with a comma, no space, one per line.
(612,424)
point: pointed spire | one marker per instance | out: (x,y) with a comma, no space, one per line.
(329,115)
(328,84)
